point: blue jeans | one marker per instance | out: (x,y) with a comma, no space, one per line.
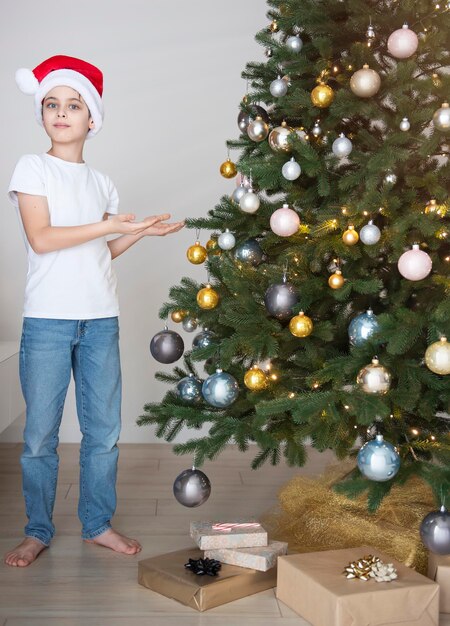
(50,349)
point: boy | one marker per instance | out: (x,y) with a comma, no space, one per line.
(70,319)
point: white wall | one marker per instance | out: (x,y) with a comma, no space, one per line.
(172,89)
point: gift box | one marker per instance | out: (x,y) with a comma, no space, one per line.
(262,559)
(439,570)
(235,534)
(315,587)
(167,575)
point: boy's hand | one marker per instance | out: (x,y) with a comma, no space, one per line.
(154,225)
(123,224)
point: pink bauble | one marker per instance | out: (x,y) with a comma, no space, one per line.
(403,42)
(284,222)
(414,264)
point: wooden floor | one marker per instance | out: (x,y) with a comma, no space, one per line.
(77,584)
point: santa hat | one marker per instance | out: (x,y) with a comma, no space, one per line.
(70,72)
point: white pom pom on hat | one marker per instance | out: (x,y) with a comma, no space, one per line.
(27,81)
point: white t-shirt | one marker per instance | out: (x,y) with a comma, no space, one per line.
(77,282)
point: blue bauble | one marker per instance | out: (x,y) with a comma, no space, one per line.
(189,389)
(220,389)
(362,327)
(249,252)
(378,460)
(203,339)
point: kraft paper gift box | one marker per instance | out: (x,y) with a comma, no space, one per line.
(314,586)
(167,575)
(439,570)
(262,559)
(234,534)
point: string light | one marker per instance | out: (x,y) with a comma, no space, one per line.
(414,431)
(292,394)
(316,385)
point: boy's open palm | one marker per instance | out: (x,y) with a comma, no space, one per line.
(123,224)
(155,225)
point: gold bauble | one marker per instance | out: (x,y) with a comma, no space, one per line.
(207,298)
(279,138)
(197,253)
(336,280)
(255,379)
(365,82)
(437,357)
(374,378)
(350,237)
(434,207)
(228,169)
(212,247)
(322,96)
(178,315)
(301,325)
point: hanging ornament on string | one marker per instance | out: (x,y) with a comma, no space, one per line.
(362,327)
(257,129)
(167,346)
(403,42)
(192,488)
(228,169)
(249,252)
(189,389)
(414,264)
(279,138)
(342,146)
(350,236)
(239,192)
(255,379)
(203,339)
(336,280)
(322,95)
(178,315)
(435,531)
(291,170)
(189,324)
(207,297)
(365,82)
(294,43)
(378,460)
(374,378)
(226,240)
(284,222)
(301,325)
(437,357)
(220,389)
(370,234)
(281,298)
(278,87)
(370,35)
(405,125)
(197,254)
(441,118)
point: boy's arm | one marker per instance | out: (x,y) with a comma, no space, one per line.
(43,237)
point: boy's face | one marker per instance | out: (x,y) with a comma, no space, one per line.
(65,115)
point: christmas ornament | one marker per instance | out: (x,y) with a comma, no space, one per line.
(441,117)
(178,315)
(370,234)
(342,146)
(273,27)
(228,169)
(291,170)
(278,87)
(374,378)
(284,222)
(257,129)
(301,325)
(414,264)
(434,207)
(226,240)
(189,389)
(362,327)
(196,254)
(255,379)
(279,138)
(301,134)
(316,130)
(435,531)
(249,252)
(350,236)
(390,178)
(361,568)
(238,193)
(220,389)
(365,82)
(202,567)
(192,488)
(268,52)
(244,118)
(294,43)
(402,43)
(249,203)
(405,125)
(378,460)
(189,324)
(336,280)
(437,357)
(212,247)
(322,96)
(280,299)
(207,298)
(383,572)
(370,34)
(167,346)
(203,339)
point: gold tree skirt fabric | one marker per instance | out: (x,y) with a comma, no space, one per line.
(312,517)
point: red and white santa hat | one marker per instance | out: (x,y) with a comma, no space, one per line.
(70,72)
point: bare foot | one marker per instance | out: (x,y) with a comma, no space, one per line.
(117,542)
(25,553)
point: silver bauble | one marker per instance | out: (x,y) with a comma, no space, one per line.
(316,130)
(294,43)
(167,346)
(192,487)
(378,460)
(370,234)
(390,178)
(441,118)
(278,88)
(249,252)
(189,389)
(405,125)
(203,339)
(226,240)
(365,82)
(220,389)
(342,146)
(238,193)
(189,324)
(279,139)
(374,378)
(280,300)
(243,121)
(257,129)
(244,118)
(249,203)
(291,170)
(435,531)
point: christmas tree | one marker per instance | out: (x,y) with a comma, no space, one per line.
(326,308)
